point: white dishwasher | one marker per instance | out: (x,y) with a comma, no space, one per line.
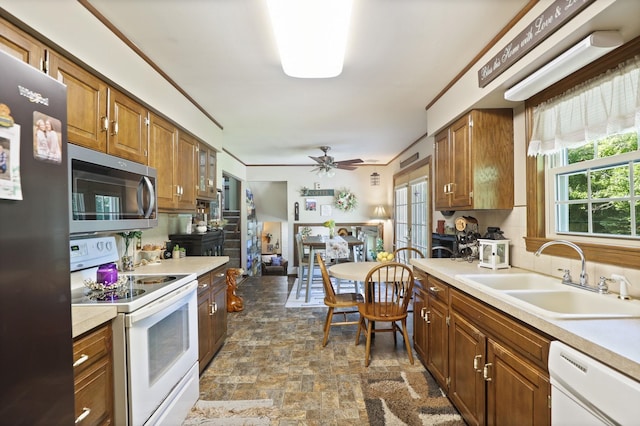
(586,392)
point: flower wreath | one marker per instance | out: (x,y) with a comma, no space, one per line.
(346,200)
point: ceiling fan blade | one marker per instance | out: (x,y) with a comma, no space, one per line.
(317,159)
(345,167)
(354,161)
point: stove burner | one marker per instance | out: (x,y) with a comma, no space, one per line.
(155,279)
(112,296)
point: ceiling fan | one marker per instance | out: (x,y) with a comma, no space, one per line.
(326,163)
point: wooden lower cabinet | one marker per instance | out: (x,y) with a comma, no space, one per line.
(93,377)
(492,367)
(212,314)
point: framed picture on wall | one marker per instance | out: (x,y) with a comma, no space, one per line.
(325,210)
(310,204)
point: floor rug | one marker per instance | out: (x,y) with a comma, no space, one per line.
(231,413)
(407,398)
(317,296)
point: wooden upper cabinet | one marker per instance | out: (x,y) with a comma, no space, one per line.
(21,46)
(186,171)
(128,128)
(206,172)
(474,162)
(163,146)
(87,105)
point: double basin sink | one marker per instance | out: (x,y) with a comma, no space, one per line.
(549,297)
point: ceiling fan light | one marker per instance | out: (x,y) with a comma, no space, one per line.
(311,35)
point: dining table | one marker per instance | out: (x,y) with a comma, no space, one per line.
(320,243)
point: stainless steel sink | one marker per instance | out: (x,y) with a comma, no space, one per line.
(548,297)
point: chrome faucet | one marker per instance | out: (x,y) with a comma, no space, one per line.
(584,279)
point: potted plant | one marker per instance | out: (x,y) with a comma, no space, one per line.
(127,259)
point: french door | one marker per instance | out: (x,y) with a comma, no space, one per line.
(411,209)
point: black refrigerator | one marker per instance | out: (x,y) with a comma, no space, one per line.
(36,344)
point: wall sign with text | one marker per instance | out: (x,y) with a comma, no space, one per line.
(556,15)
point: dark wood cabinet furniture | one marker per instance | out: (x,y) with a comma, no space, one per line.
(474,162)
(93,377)
(492,367)
(207,244)
(212,314)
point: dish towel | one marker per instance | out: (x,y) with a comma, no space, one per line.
(336,248)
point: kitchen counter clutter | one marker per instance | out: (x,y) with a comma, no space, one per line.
(613,341)
(85,318)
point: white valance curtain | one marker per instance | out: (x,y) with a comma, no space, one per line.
(600,107)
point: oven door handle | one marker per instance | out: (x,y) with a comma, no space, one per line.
(161,304)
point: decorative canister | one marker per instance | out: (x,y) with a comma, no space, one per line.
(107,274)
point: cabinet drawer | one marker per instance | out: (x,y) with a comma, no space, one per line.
(438,290)
(218,276)
(520,338)
(94,394)
(204,282)
(90,348)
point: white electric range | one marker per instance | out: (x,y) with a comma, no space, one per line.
(155,335)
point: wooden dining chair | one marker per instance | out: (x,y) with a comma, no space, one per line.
(333,301)
(384,286)
(404,254)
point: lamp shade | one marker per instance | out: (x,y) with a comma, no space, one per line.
(380,213)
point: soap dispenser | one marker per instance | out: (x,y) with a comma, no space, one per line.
(624,282)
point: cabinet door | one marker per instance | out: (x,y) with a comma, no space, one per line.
(186,171)
(206,172)
(128,135)
(442,173)
(87,100)
(163,141)
(517,393)
(438,341)
(467,349)
(219,297)
(21,46)
(205,323)
(420,322)
(461,165)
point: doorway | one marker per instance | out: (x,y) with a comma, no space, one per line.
(412,207)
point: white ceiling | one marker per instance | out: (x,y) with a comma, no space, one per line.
(400,55)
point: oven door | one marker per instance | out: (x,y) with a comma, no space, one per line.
(162,345)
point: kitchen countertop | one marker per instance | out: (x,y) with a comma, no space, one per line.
(613,341)
(85,318)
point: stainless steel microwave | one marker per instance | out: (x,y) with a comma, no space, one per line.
(108,193)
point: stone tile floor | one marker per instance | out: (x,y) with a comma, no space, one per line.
(273,352)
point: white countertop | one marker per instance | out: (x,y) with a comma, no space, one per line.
(85,318)
(615,341)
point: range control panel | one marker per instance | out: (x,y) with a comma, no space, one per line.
(91,252)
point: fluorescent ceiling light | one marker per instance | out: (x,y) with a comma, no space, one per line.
(583,53)
(311,35)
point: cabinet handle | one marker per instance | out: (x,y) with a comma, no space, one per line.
(485,372)
(426,317)
(434,289)
(83,358)
(422,313)
(105,123)
(114,127)
(476,363)
(205,285)
(85,412)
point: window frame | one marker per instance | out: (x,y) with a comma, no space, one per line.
(613,254)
